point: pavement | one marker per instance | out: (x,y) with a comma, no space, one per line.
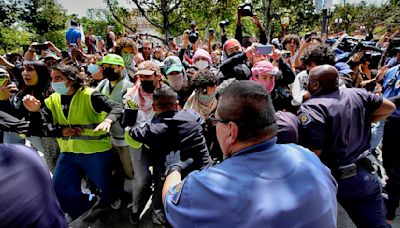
(120,219)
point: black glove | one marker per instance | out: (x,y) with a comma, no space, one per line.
(173,162)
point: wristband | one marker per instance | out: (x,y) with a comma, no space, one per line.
(172,169)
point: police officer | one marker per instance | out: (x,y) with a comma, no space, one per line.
(171,130)
(27,198)
(335,124)
(260,184)
(390,147)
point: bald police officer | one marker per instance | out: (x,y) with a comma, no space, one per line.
(335,124)
(261,183)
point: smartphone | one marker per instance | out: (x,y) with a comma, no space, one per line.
(40,46)
(264,49)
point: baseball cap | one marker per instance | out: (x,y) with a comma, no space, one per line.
(147,68)
(171,64)
(51,55)
(112,59)
(343,68)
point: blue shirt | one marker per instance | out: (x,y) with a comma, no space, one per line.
(27,198)
(72,35)
(391,86)
(265,185)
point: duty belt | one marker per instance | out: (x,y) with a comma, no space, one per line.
(350,170)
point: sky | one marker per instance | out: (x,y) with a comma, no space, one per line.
(80,6)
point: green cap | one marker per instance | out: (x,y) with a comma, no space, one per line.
(112,59)
(171,64)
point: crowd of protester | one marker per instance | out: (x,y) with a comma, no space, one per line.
(106,114)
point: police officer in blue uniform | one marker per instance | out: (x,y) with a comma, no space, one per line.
(335,124)
(260,183)
(390,146)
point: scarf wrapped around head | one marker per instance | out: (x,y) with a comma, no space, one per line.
(229,43)
(264,67)
(202,53)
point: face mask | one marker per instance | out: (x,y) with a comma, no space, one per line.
(110,74)
(128,58)
(201,64)
(93,68)
(206,99)
(268,85)
(176,81)
(147,86)
(59,87)
(233,54)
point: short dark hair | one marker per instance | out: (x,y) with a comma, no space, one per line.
(72,73)
(319,54)
(74,23)
(205,78)
(165,98)
(248,104)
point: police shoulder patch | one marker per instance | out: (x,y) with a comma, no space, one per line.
(176,192)
(304,119)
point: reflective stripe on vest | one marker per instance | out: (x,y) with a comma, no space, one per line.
(80,114)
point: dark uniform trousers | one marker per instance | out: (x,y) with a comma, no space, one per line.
(391,163)
(361,197)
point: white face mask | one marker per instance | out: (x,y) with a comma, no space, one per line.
(201,64)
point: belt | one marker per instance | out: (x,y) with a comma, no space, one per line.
(350,170)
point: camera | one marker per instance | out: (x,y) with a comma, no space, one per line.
(193,36)
(210,31)
(247,9)
(224,23)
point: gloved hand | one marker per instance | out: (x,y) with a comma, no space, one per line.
(173,162)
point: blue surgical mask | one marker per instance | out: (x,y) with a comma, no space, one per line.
(59,87)
(206,99)
(93,68)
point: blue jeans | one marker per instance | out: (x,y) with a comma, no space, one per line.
(12,138)
(361,197)
(70,170)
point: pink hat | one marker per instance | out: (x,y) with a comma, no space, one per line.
(264,67)
(202,53)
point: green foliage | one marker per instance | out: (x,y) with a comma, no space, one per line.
(13,39)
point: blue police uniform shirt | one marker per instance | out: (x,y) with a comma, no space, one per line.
(265,185)
(339,124)
(391,86)
(72,35)
(27,198)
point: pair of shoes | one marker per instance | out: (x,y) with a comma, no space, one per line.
(159,217)
(134,217)
(116,204)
